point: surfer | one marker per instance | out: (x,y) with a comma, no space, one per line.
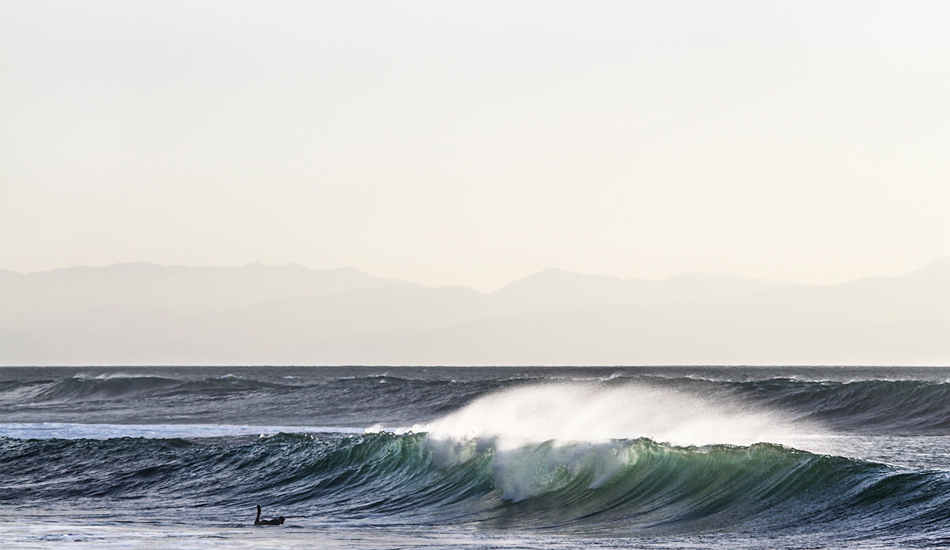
(259,521)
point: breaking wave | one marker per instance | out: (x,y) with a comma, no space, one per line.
(618,486)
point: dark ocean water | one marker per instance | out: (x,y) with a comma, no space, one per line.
(359,457)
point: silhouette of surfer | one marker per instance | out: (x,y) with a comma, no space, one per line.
(259,521)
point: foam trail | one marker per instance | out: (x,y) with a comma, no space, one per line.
(587,412)
(58,430)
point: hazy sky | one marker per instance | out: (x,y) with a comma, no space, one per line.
(476,142)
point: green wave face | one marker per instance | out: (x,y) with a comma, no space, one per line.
(644,486)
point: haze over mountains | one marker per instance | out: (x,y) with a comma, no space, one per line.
(146,314)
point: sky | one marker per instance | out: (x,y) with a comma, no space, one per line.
(473,143)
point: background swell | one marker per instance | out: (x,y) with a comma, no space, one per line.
(890,401)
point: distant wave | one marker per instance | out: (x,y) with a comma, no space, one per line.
(901,407)
(66,430)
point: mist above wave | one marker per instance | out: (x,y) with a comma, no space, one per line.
(588,412)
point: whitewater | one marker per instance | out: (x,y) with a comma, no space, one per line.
(412,457)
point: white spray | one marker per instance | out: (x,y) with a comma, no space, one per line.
(587,412)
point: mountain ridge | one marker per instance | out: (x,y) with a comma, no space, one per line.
(344,316)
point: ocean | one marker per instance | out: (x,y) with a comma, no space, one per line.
(515,458)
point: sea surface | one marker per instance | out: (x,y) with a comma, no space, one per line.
(518,458)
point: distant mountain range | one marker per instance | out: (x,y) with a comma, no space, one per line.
(146,314)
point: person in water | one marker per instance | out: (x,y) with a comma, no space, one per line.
(259,521)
